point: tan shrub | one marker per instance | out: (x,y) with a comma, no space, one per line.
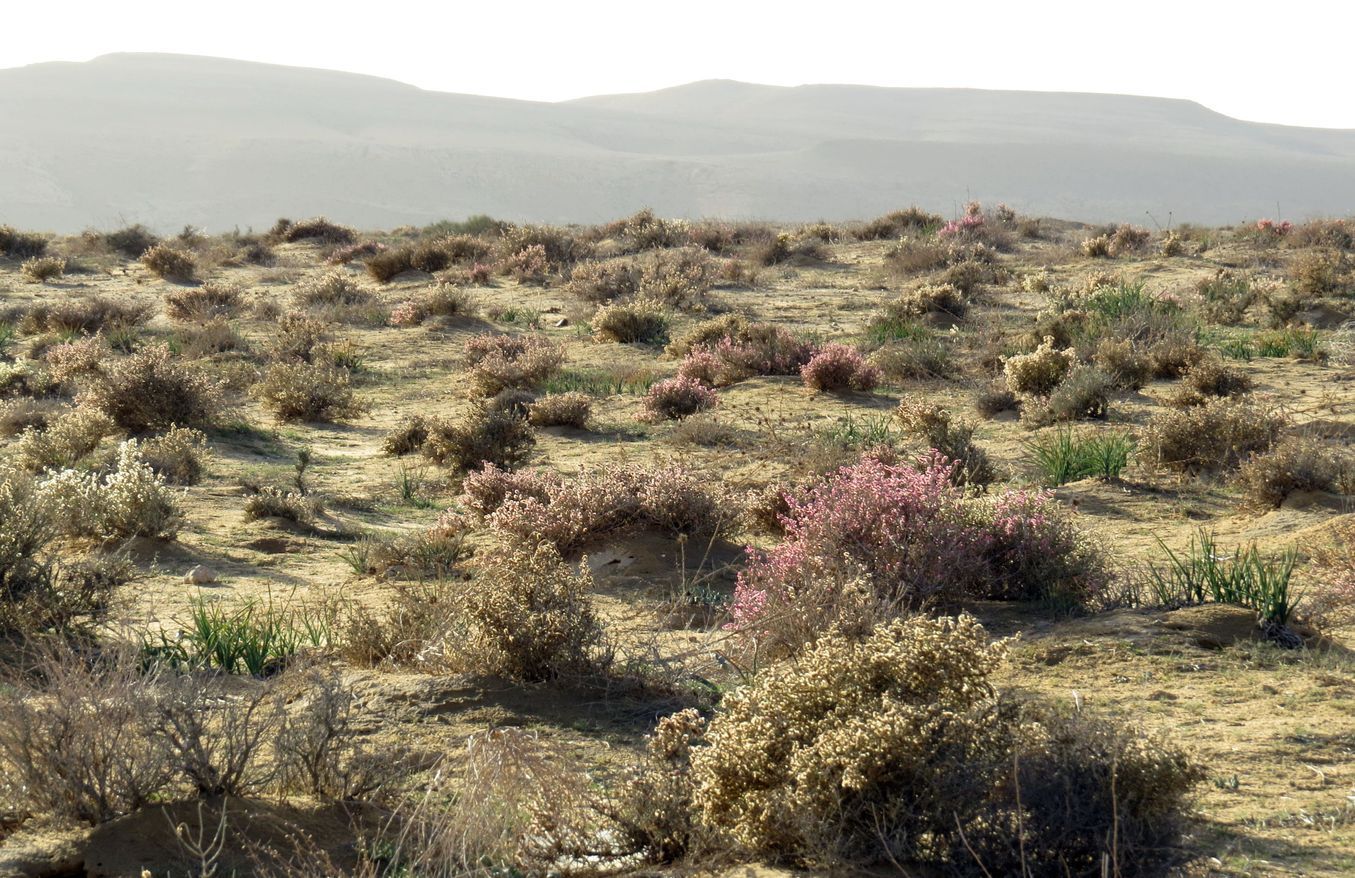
(63,442)
(21,245)
(1217,435)
(643,321)
(926,300)
(129,501)
(953,438)
(1126,367)
(151,390)
(176,455)
(499,362)
(308,392)
(571,409)
(77,359)
(212,299)
(604,280)
(1040,371)
(1294,464)
(315,229)
(86,316)
(169,263)
(481,436)
(41,269)
(707,333)
(333,288)
(677,278)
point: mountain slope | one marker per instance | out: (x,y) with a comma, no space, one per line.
(170,140)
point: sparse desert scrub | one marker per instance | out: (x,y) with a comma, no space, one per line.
(499,362)
(77,359)
(1123,363)
(15,244)
(170,263)
(952,438)
(1295,463)
(811,761)
(675,398)
(315,229)
(41,269)
(678,278)
(177,455)
(444,302)
(569,409)
(643,321)
(86,316)
(63,441)
(129,501)
(894,225)
(308,392)
(152,390)
(481,436)
(1040,371)
(1209,378)
(604,280)
(212,299)
(1212,437)
(835,368)
(928,299)
(331,289)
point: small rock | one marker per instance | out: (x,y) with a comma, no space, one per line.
(200,575)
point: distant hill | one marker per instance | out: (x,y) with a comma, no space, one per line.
(171,140)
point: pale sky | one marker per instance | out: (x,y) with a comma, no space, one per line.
(1285,62)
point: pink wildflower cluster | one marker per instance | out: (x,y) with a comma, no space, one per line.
(675,398)
(410,312)
(910,535)
(839,367)
(478,273)
(536,506)
(1274,229)
(771,350)
(345,255)
(702,365)
(529,263)
(967,224)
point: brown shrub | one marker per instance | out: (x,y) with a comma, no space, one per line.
(316,229)
(1217,435)
(1126,367)
(912,221)
(308,392)
(41,269)
(86,316)
(169,263)
(151,391)
(333,288)
(640,321)
(15,244)
(480,437)
(570,409)
(212,299)
(498,362)
(1294,464)
(603,281)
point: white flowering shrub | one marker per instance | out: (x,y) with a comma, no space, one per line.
(130,501)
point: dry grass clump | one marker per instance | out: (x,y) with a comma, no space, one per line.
(1294,464)
(308,392)
(604,280)
(924,301)
(500,362)
(1040,371)
(912,221)
(1210,377)
(170,263)
(316,229)
(570,409)
(151,391)
(677,278)
(482,436)
(331,289)
(15,244)
(212,299)
(1084,393)
(85,316)
(679,397)
(639,321)
(896,748)
(1215,436)
(837,368)
(41,269)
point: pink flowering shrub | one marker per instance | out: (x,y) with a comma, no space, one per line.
(764,349)
(839,367)
(570,514)
(675,398)
(1273,229)
(528,264)
(878,538)
(499,362)
(703,366)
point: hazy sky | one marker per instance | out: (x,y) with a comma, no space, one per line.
(1271,61)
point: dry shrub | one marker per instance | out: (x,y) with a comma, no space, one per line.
(15,244)
(216,336)
(215,734)
(1319,272)
(416,627)
(212,299)
(445,302)
(270,501)
(24,413)
(77,359)
(896,748)
(1295,463)
(315,229)
(1084,393)
(176,455)
(482,436)
(1330,601)
(555,247)
(604,281)
(129,241)
(744,348)
(643,321)
(912,256)
(170,263)
(923,356)
(499,362)
(78,737)
(319,747)
(431,553)
(63,442)
(1215,436)
(130,500)
(308,392)
(912,221)
(786,248)
(836,368)
(994,399)
(1040,371)
(300,339)
(529,616)
(677,278)
(151,391)
(572,514)
(952,438)
(41,269)
(331,289)
(923,301)
(1210,377)
(354,252)
(674,398)
(708,333)
(1172,355)
(571,409)
(86,316)
(1127,368)
(407,437)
